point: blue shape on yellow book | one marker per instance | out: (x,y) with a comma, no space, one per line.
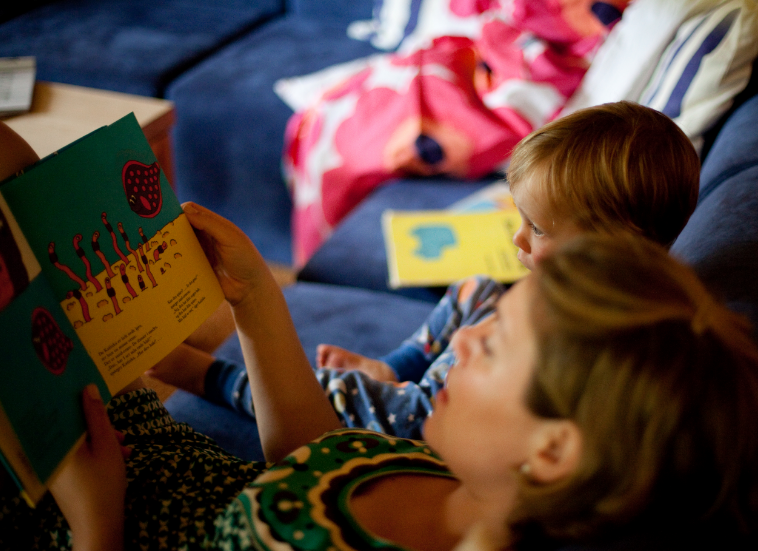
(433,240)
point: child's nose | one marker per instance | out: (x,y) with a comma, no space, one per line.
(520,240)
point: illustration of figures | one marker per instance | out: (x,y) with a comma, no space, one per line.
(82,301)
(100,255)
(112,293)
(145,240)
(128,246)
(108,227)
(62,267)
(141,282)
(159,251)
(87,266)
(13,275)
(125,279)
(147,266)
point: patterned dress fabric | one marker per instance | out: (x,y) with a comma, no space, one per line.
(303,502)
(179,481)
(185,493)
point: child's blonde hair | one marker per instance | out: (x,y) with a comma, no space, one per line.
(661,380)
(611,168)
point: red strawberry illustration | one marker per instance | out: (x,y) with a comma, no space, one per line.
(50,343)
(142,185)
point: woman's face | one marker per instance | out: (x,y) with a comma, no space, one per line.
(481,425)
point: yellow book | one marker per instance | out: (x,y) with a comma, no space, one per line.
(102,276)
(427,248)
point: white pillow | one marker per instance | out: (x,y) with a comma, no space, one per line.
(705,66)
(301,92)
(409,24)
(625,61)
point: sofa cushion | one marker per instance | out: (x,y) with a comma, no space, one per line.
(229,129)
(368,322)
(721,238)
(359,236)
(134,46)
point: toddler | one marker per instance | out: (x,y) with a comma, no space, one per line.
(618,168)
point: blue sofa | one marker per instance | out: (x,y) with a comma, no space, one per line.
(218,61)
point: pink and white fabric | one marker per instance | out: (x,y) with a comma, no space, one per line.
(456,107)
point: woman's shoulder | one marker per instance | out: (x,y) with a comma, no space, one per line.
(303,499)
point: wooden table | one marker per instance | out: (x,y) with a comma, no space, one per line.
(62,113)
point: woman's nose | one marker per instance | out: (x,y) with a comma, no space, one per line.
(461,344)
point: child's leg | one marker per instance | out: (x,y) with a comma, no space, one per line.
(185,367)
(397,409)
(217,380)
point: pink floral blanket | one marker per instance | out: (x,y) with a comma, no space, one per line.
(456,107)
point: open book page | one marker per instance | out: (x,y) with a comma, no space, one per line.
(43,370)
(113,242)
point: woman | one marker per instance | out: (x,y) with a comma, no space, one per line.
(610,394)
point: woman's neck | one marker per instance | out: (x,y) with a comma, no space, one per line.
(425,512)
(465,509)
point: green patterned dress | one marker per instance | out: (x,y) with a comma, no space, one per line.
(186,493)
(302,502)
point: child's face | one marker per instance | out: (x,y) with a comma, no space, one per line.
(541,230)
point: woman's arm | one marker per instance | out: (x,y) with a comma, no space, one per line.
(91,487)
(290,405)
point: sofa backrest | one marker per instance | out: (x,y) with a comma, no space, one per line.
(721,239)
(342,11)
(133,46)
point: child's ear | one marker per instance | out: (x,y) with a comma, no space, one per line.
(15,153)
(557,451)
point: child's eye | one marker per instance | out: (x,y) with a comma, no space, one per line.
(535,230)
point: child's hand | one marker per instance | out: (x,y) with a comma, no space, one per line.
(329,355)
(91,487)
(237,263)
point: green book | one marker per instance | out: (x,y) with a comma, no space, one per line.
(101,276)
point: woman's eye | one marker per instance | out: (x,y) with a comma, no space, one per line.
(486,347)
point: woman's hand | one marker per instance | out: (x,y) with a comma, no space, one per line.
(91,487)
(290,405)
(237,263)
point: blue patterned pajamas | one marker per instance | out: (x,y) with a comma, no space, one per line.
(397,409)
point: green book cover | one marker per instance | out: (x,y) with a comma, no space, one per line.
(107,278)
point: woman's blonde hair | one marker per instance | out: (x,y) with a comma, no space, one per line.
(614,167)
(662,381)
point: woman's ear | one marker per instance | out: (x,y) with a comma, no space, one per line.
(556,452)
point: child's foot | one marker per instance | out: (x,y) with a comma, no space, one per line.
(328,355)
(184,368)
